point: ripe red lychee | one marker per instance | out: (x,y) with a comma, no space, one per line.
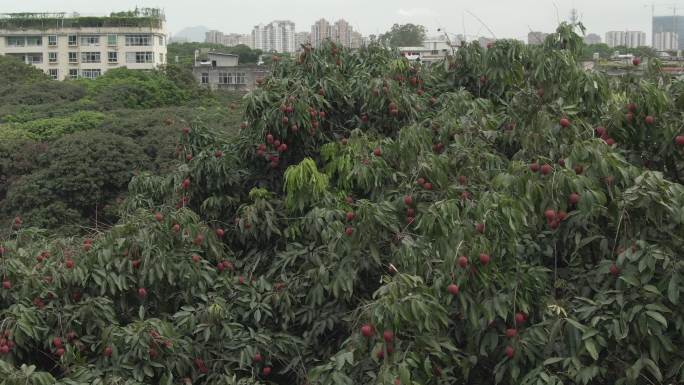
(679,140)
(520,318)
(574,198)
(564,122)
(349,231)
(142,292)
(546,169)
(453,289)
(510,351)
(484,259)
(614,270)
(408,200)
(649,120)
(480,228)
(463,261)
(367,330)
(388,336)
(377,151)
(350,216)
(534,167)
(510,333)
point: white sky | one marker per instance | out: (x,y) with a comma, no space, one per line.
(506,18)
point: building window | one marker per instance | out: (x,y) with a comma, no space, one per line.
(161,40)
(16,41)
(73,73)
(52,57)
(90,73)
(32,58)
(223,78)
(34,41)
(138,40)
(112,57)
(73,57)
(205,78)
(112,40)
(73,41)
(161,58)
(52,41)
(90,40)
(139,57)
(239,78)
(54,73)
(90,57)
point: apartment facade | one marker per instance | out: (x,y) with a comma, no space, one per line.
(340,32)
(672,24)
(666,41)
(276,36)
(70,48)
(222,71)
(629,39)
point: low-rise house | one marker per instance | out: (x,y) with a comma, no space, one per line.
(222,71)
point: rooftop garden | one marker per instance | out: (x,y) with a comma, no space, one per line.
(140,17)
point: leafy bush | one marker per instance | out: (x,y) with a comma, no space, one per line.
(50,128)
(83,173)
(124,88)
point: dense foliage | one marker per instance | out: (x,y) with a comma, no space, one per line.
(404,35)
(502,217)
(136,112)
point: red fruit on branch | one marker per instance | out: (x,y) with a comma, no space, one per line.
(220,233)
(631,107)
(350,216)
(463,261)
(546,169)
(564,122)
(574,198)
(480,228)
(520,318)
(69,263)
(509,351)
(266,371)
(367,330)
(453,289)
(649,120)
(257,358)
(349,231)
(484,259)
(107,351)
(6,284)
(196,258)
(57,342)
(549,214)
(377,151)
(427,186)
(269,139)
(511,333)
(534,167)
(388,336)
(614,270)
(679,140)
(579,169)
(408,200)
(142,292)
(636,61)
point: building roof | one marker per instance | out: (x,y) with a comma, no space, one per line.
(141,17)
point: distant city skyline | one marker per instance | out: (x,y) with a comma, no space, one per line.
(506,19)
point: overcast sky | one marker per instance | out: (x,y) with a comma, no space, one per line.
(506,18)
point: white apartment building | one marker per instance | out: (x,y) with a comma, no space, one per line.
(71,47)
(666,41)
(629,39)
(276,36)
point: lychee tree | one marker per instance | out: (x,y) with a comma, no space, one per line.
(376,221)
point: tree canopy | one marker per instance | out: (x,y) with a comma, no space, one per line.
(404,35)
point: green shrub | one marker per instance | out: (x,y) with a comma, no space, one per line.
(84,172)
(50,128)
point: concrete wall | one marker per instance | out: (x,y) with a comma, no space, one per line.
(251,73)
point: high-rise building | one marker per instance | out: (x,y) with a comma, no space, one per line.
(674,24)
(246,40)
(342,33)
(276,36)
(592,38)
(356,40)
(213,37)
(629,39)
(302,38)
(71,47)
(536,37)
(320,31)
(666,41)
